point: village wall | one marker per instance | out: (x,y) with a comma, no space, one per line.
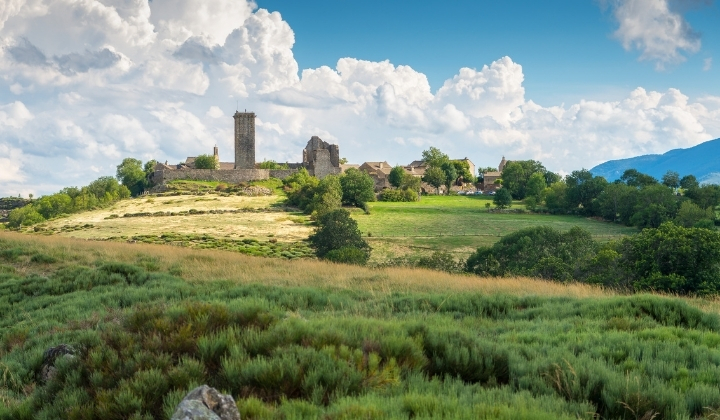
(281,173)
(231,176)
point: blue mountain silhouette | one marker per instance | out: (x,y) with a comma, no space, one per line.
(702,160)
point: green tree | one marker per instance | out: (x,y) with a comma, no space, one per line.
(24,216)
(410,182)
(517,173)
(552,177)
(327,196)
(131,174)
(582,190)
(635,178)
(396,176)
(673,259)
(617,203)
(689,182)
(556,197)
(655,205)
(514,179)
(434,158)
(535,186)
(358,187)
(705,196)
(462,168)
(300,188)
(54,205)
(450,175)
(337,230)
(690,214)
(671,179)
(435,176)
(539,252)
(271,164)
(502,198)
(206,162)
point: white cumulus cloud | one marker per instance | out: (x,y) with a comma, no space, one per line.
(654,28)
(94,81)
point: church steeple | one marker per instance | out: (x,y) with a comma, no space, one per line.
(503,162)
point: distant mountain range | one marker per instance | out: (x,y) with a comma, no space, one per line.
(702,160)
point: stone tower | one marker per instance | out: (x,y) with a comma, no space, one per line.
(244,140)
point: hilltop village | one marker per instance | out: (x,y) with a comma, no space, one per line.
(320,159)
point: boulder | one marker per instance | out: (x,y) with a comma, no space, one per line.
(47,369)
(206,403)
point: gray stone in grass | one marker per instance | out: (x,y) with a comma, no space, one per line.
(206,403)
(47,369)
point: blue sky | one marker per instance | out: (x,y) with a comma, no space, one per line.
(566,47)
(571,83)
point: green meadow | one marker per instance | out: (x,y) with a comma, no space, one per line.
(460,224)
(312,340)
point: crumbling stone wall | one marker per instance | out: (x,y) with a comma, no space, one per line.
(231,176)
(321,158)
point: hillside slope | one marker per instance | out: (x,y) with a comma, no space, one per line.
(701,160)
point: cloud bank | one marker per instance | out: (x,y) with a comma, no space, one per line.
(87,83)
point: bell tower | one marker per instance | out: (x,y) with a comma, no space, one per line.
(244,140)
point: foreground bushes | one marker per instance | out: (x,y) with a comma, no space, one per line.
(143,339)
(670,258)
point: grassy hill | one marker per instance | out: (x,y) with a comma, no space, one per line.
(307,339)
(458,224)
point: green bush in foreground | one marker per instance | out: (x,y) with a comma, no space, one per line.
(144,339)
(670,258)
(336,231)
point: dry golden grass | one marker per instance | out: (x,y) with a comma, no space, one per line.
(229,225)
(197,266)
(201,265)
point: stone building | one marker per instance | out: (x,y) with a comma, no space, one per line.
(379,172)
(489,178)
(319,158)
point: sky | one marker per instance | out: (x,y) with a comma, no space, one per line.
(571,83)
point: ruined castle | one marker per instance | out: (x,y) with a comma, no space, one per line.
(319,158)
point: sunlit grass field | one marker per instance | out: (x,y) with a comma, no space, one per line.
(460,224)
(245,217)
(309,339)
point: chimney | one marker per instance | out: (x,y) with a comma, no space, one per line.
(216,154)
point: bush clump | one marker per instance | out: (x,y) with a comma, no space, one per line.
(339,232)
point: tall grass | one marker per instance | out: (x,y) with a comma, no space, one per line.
(307,339)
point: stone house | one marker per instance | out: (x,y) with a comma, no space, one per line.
(489,178)
(379,172)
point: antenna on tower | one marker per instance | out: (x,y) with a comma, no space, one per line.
(237,105)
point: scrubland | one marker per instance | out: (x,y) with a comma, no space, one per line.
(308,339)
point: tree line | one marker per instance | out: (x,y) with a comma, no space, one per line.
(635,199)
(132,178)
(670,258)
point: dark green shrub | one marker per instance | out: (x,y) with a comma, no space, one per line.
(503,198)
(41,258)
(399,195)
(337,230)
(673,259)
(348,255)
(540,251)
(459,356)
(441,261)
